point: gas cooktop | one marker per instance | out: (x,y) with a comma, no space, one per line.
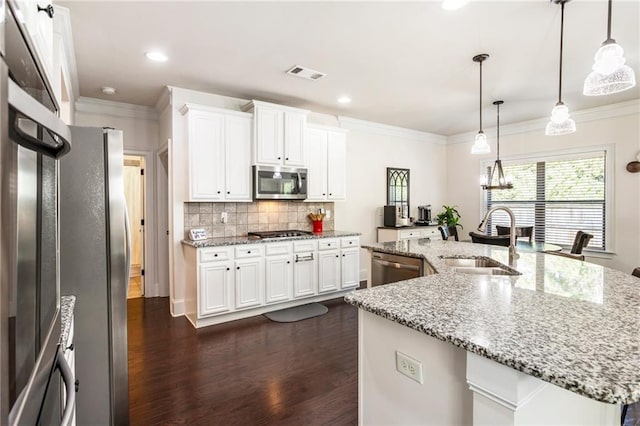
(279,234)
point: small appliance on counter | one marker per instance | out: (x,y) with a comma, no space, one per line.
(394,216)
(424,216)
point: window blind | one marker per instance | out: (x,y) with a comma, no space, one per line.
(559,197)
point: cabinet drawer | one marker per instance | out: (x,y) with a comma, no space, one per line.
(275,249)
(431,232)
(328,244)
(350,242)
(410,233)
(305,245)
(244,252)
(211,254)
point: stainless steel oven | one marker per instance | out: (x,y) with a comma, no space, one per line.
(32,139)
(279,183)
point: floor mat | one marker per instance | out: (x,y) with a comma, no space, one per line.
(297,313)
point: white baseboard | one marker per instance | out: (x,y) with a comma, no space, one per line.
(177,308)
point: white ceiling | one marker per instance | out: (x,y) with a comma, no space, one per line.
(404,64)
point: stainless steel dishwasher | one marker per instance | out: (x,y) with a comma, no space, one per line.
(389,268)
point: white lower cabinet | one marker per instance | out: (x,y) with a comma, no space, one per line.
(328,270)
(216,283)
(279,275)
(249,282)
(350,268)
(231,282)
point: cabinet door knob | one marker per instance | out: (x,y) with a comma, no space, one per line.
(343,255)
(279,158)
(286,158)
(331,193)
(228,192)
(237,267)
(215,255)
(324,193)
(248,251)
(288,261)
(227,269)
(337,255)
(47,9)
(218,192)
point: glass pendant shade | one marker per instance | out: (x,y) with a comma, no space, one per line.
(561,123)
(480,145)
(610,74)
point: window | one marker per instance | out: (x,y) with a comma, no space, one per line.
(558,195)
(398,189)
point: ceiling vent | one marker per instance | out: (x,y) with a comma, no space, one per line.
(305,72)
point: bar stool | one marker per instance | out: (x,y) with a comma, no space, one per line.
(521,231)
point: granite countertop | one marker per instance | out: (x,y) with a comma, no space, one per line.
(67,305)
(571,323)
(230,241)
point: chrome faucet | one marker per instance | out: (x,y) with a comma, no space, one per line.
(512,229)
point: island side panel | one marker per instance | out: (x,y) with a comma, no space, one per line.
(388,397)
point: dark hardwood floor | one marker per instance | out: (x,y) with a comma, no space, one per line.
(247,372)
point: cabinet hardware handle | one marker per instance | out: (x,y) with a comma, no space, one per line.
(288,262)
(77,384)
(279,158)
(248,251)
(218,192)
(227,269)
(228,192)
(343,255)
(286,158)
(47,9)
(328,245)
(337,255)
(215,255)
(324,193)
(70,347)
(331,193)
(237,267)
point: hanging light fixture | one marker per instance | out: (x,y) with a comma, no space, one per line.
(560,123)
(480,146)
(610,74)
(496,171)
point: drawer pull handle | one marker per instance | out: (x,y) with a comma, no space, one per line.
(304,258)
(248,251)
(227,269)
(215,255)
(237,267)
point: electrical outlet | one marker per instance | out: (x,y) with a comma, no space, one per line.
(409,367)
(223,217)
(327,214)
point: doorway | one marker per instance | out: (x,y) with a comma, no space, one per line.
(134,190)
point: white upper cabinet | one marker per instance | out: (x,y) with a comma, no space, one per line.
(219,154)
(326,179)
(279,134)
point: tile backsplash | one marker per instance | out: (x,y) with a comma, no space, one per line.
(255,216)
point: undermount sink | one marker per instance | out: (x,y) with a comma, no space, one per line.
(479,265)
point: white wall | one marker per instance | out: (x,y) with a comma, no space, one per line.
(618,125)
(140,130)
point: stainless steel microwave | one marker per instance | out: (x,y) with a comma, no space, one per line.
(279,183)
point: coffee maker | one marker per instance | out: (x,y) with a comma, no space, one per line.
(424,215)
(395,216)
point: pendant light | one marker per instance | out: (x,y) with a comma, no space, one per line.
(497,171)
(560,123)
(610,74)
(480,146)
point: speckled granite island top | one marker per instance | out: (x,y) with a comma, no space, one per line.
(574,324)
(230,241)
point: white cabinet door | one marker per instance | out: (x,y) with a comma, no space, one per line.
(40,28)
(279,273)
(350,268)
(269,136)
(316,165)
(336,166)
(294,138)
(205,133)
(328,271)
(238,158)
(249,282)
(305,274)
(215,284)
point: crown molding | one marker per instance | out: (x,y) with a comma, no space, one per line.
(62,26)
(164,100)
(583,116)
(387,130)
(117,109)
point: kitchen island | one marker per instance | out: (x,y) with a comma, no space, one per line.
(558,344)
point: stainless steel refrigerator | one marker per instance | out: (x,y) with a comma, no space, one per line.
(94,266)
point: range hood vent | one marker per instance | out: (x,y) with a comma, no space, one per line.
(304,72)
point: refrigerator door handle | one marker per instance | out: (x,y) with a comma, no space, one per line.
(127,236)
(22,104)
(70,389)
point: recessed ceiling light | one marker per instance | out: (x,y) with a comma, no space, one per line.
(453,4)
(344,100)
(108,90)
(156,56)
